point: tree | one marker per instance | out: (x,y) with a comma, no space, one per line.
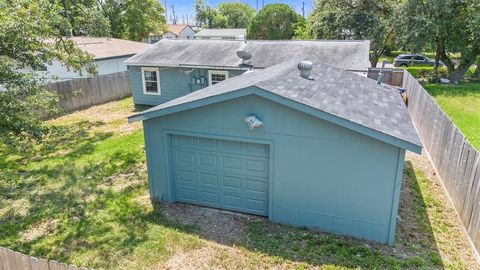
(134,19)
(93,23)
(31,35)
(274,21)
(237,15)
(447,26)
(208,17)
(355,19)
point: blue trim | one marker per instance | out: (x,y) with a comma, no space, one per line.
(284,101)
(396,196)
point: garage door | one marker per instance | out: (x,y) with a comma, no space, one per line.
(223,174)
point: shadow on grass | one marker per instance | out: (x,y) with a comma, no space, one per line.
(415,242)
(92,203)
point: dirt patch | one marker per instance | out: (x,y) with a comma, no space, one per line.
(223,227)
(113,115)
(18,207)
(122,181)
(39,230)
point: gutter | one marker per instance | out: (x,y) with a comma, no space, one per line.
(186,66)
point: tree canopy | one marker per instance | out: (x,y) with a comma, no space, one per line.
(446,26)
(134,19)
(126,19)
(352,19)
(31,34)
(237,15)
(225,15)
(274,22)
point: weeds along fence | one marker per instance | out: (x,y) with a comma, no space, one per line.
(456,161)
(10,260)
(85,92)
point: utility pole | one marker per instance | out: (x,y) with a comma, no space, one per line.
(166,11)
(303,9)
(257,5)
(263,3)
(174,17)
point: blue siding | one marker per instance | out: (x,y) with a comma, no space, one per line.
(321,175)
(174,82)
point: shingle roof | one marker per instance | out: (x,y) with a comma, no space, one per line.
(334,91)
(226,32)
(102,47)
(350,55)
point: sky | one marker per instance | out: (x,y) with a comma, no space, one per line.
(184,8)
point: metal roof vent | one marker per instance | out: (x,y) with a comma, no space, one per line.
(305,68)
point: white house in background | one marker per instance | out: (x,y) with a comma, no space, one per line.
(175,31)
(109,54)
(227,34)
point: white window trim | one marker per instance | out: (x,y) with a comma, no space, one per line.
(217,72)
(159,92)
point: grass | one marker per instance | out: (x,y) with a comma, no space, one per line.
(460,102)
(82,198)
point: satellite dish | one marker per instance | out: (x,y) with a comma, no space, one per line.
(244,55)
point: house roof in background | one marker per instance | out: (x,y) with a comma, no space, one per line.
(232,32)
(365,105)
(351,55)
(177,28)
(102,47)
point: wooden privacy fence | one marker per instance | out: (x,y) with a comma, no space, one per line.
(10,260)
(85,92)
(390,76)
(456,161)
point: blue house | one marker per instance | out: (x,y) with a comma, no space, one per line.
(174,68)
(306,145)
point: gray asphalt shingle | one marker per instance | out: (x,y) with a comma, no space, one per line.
(335,91)
(350,55)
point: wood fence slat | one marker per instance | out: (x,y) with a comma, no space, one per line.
(39,264)
(85,92)
(11,260)
(3,262)
(456,160)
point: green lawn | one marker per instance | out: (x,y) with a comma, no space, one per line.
(460,102)
(82,198)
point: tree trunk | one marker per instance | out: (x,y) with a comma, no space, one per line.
(448,62)
(477,70)
(373,60)
(457,75)
(435,67)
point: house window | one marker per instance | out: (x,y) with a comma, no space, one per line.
(216,76)
(151,81)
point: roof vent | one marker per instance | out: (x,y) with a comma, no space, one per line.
(305,68)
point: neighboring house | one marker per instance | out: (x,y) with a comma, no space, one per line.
(175,31)
(109,55)
(322,150)
(173,68)
(227,34)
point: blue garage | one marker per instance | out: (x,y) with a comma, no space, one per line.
(317,146)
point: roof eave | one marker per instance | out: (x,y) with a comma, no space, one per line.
(185,65)
(389,139)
